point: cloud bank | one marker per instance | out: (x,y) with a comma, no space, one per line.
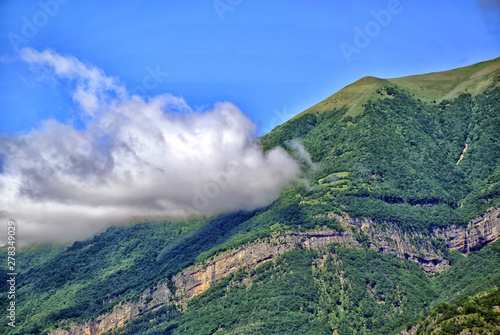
(133,157)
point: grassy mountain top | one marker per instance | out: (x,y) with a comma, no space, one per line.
(353,96)
(437,86)
(447,85)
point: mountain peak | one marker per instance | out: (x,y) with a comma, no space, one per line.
(438,86)
(353,96)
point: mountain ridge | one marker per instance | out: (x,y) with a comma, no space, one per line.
(387,226)
(367,86)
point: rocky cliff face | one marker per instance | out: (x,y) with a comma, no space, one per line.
(149,301)
(389,239)
(197,279)
(357,233)
(479,232)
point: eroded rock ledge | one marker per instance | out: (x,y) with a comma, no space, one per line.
(357,233)
(480,231)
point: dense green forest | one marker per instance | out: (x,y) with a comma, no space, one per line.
(75,283)
(478,314)
(303,291)
(397,162)
(309,292)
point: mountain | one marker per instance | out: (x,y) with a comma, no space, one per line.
(396,218)
(428,87)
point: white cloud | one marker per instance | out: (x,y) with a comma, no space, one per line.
(94,89)
(302,153)
(133,159)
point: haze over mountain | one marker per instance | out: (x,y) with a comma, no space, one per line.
(392,223)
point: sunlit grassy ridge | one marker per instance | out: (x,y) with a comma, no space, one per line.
(447,85)
(353,96)
(428,87)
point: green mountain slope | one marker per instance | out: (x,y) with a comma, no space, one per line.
(307,292)
(365,246)
(398,161)
(477,314)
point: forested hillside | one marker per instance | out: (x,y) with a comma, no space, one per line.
(402,165)
(477,314)
(398,161)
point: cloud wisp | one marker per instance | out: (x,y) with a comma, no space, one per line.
(133,157)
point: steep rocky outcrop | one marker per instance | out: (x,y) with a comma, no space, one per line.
(482,230)
(389,239)
(357,233)
(197,279)
(149,301)
(412,331)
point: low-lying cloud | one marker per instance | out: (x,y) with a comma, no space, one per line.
(133,157)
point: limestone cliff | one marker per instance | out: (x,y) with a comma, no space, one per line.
(388,238)
(149,301)
(197,279)
(479,232)
(357,233)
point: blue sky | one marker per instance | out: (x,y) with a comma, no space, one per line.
(272,59)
